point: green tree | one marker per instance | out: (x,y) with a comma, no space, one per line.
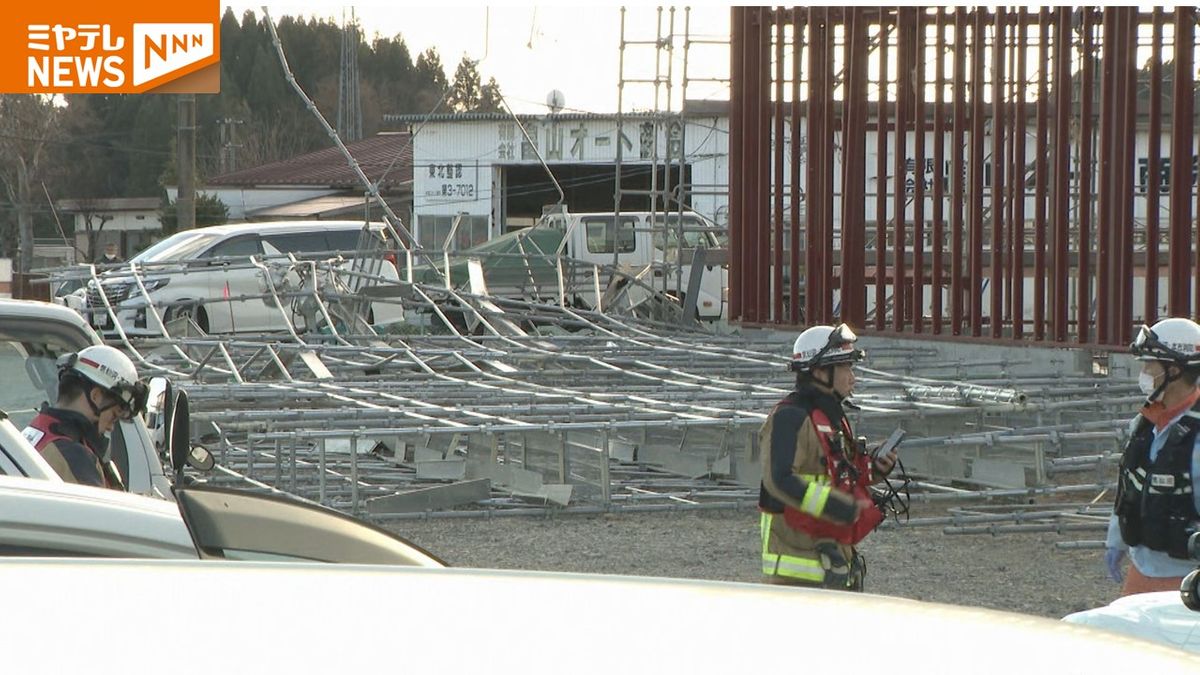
(210,210)
(430,86)
(465,92)
(490,97)
(469,94)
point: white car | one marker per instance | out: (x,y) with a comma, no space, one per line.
(32,337)
(1162,617)
(207,274)
(264,617)
(49,518)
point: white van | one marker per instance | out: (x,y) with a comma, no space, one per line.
(208,274)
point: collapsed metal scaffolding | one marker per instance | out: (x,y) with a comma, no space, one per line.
(508,397)
(521,407)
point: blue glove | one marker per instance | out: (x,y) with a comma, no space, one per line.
(1113,557)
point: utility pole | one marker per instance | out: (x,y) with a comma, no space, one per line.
(349,118)
(229,144)
(185,150)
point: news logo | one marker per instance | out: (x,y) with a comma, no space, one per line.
(76,47)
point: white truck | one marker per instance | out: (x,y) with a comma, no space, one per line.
(32,337)
(641,245)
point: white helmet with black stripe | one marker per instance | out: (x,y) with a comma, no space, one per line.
(1175,340)
(821,346)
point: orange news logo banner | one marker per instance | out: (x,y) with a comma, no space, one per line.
(78,47)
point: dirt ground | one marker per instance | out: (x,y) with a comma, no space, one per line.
(1016,572)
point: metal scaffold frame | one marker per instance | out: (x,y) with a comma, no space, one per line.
(578,411)
(482,402)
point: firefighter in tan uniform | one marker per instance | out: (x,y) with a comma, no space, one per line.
(815,500)
(97,387)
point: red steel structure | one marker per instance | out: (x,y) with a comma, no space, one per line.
(997,174)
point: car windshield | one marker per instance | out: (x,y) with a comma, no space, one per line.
(697,234)
(180,246)
(28,370)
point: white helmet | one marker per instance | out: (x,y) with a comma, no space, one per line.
(1173,340)
(825,346)
(110,370)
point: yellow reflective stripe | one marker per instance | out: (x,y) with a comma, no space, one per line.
(786,565)
(796,568)
(765,525)
(815,498)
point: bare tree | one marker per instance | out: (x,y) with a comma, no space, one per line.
(93,225)
(28,123)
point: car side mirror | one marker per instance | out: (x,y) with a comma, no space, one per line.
(181,451)
(159,405)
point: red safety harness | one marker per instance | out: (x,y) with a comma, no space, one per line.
(846,473)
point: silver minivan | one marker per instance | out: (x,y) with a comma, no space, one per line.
(222,276)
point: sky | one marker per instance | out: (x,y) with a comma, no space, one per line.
(533,50)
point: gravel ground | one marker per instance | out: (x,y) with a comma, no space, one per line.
(1016,572)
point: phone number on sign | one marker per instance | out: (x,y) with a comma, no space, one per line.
(456,190)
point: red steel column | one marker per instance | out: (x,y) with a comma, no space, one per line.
(939,170)
(854,115)
(1182,128)
(1062,166)
(815,267)
(900,196)
(918,274)
(1042,179)
(796,198)
(1153,168)
(881,145)
(777,153)
(976,163)
(996,309)
(1012,169)
(737,141)
(1104,223)
(1019,182)
(1124,333)
(827,174)
(763,109)
(1087,128)
(958,203)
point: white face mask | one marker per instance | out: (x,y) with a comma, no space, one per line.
(1146,383)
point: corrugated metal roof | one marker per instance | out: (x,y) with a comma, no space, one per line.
(505,117)
(311,208)
(328,167)
(693,106)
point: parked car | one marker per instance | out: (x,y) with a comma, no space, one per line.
(58,519)
(207,274)
(1167,617)
(300,618)
(71,290)
(32,337)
